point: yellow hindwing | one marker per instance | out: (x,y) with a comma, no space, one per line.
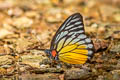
(74,54)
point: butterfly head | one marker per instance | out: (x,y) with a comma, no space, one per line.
(52,54)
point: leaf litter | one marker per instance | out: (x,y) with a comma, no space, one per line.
(26,26)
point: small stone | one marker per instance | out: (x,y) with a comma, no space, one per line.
(101,30)
(23,22)
(5,5)
(32,14)
(15,12)
(94,25)
(117,17)
(44,66)
(4,32)
(54,15)
(76,74)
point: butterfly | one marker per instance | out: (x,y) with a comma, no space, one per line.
(70,44)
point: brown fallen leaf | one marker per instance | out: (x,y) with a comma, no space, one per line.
(100,45)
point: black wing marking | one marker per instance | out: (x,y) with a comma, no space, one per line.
(71,28)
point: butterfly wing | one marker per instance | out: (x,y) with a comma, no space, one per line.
(71,43)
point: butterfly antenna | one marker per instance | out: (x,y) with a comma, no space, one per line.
(41,49)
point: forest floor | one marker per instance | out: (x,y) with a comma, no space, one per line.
(28,25)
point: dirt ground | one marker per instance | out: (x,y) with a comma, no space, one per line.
(29,25)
